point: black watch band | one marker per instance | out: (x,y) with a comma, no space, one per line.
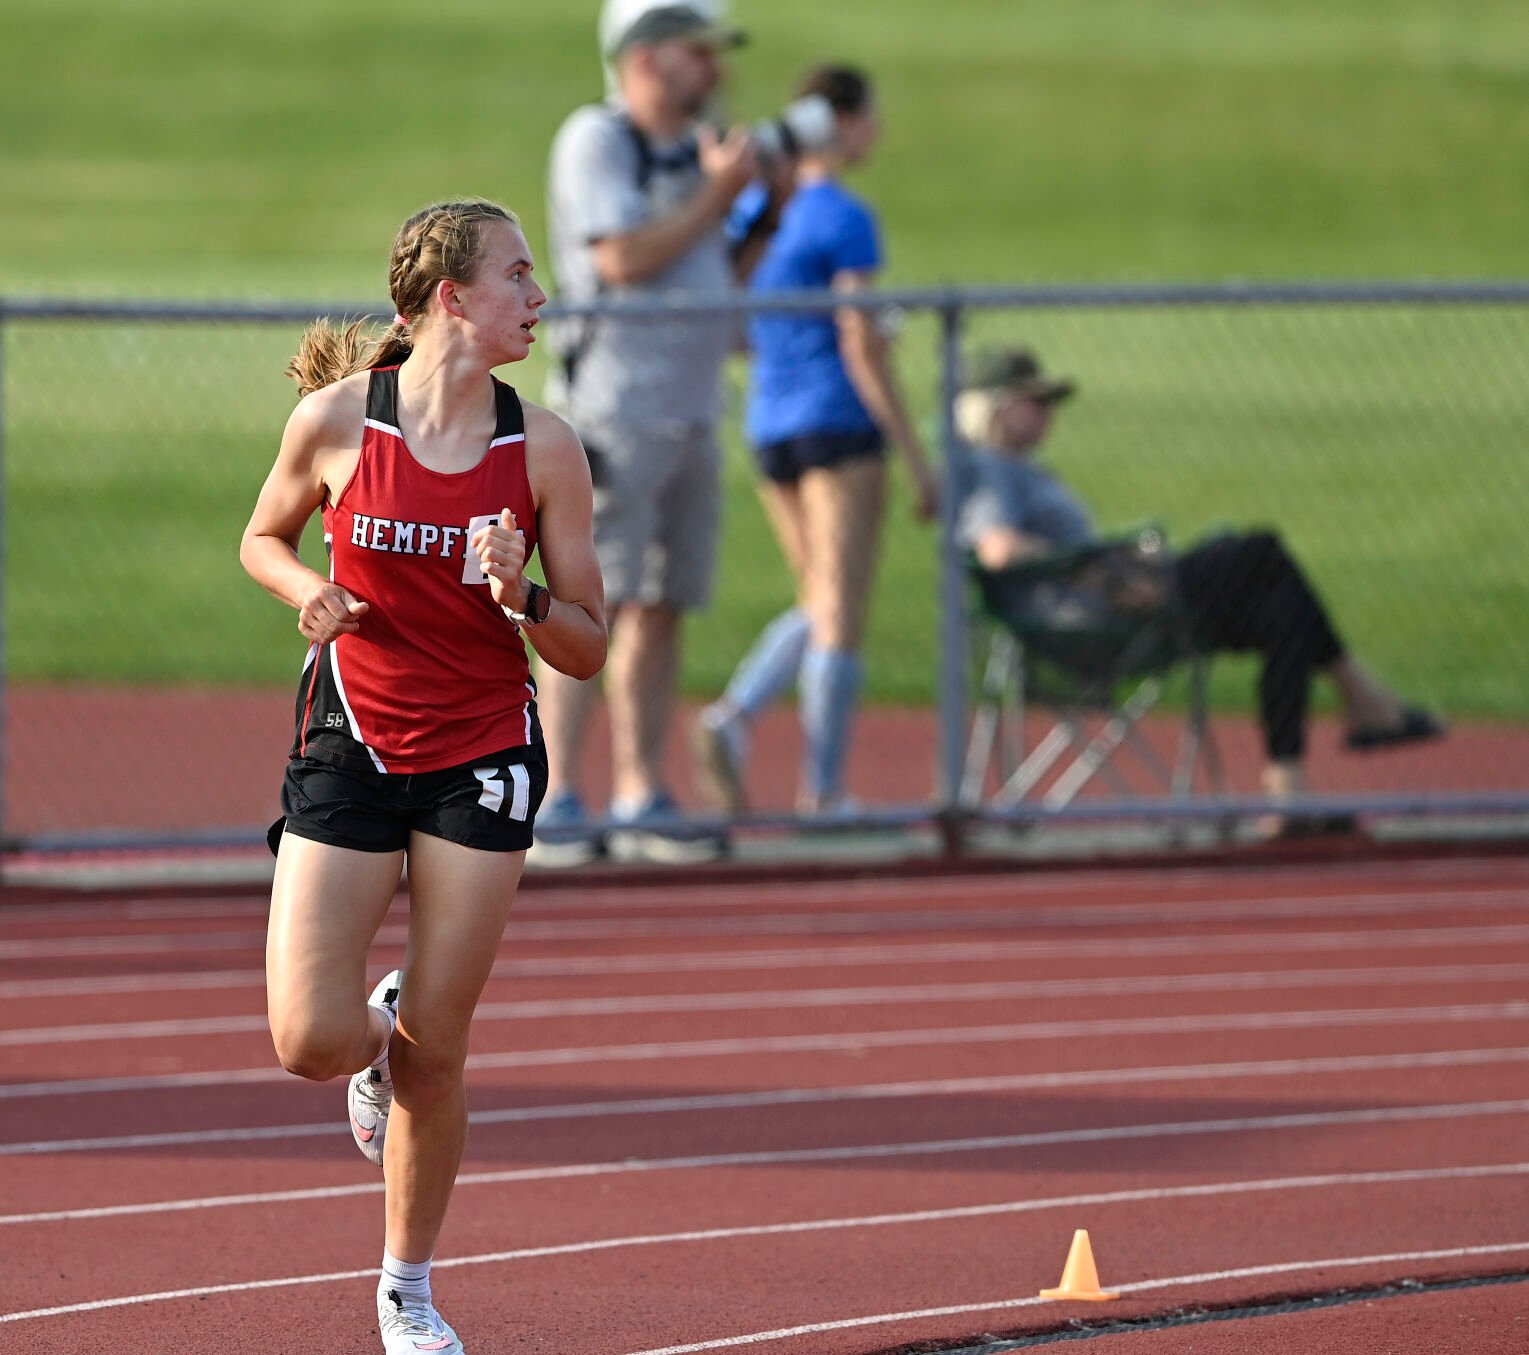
(538,607)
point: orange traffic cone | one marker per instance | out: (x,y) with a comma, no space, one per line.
(1080,1280)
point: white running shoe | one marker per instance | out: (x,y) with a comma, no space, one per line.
(408,1327)
(371,1095)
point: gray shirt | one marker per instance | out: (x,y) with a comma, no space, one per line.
(602,184)
(1012,491)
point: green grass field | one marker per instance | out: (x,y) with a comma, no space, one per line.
(172,150)
(179,149)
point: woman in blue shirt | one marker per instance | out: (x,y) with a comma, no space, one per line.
(822,407)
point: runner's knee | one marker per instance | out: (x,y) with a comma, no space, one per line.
(427,1072)
(317,1048)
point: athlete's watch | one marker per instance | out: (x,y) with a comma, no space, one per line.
(538,607)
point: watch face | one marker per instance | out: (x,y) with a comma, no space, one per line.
(539,603)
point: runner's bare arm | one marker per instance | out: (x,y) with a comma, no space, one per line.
(573,637)
(318,452)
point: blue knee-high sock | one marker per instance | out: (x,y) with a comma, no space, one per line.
(771,666)
(830,690)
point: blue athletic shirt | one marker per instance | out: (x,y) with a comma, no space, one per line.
(799,385)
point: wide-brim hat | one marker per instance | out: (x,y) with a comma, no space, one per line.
(1017,370)
(663,22)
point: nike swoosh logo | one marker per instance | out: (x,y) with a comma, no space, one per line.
(434,1345)
(366,1136)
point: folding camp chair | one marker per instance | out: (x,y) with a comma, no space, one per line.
(1090,633)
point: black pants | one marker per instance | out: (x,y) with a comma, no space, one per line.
(1244,592)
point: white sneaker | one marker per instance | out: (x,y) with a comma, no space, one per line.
(408,1327)
(370,1096)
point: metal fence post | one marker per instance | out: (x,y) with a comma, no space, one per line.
(4,682)
(951,633)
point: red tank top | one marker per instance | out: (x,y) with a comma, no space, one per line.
(437,673)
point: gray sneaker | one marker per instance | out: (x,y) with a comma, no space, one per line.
(721,748)
(370,1096)
(408,1327)
(561,837)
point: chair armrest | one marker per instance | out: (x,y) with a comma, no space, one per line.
(1082,588)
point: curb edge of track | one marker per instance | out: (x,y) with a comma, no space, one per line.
(1242,1310)
(119,879)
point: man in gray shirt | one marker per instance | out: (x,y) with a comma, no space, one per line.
(638,192)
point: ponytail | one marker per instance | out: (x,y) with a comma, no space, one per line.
(326,354)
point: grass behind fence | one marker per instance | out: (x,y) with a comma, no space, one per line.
(1383,443)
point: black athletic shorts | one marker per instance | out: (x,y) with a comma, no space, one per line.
(786,462)
(489,803)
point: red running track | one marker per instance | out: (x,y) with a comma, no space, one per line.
(807,1120)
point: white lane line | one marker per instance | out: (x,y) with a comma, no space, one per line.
(849,957)
(145,909)
(1024,917)
(852,1041)
(1098,1199)
(785,1096)
(132,983)
(154,943)
(1038,1139)
(901,995)
(824,921)
(1205,1277)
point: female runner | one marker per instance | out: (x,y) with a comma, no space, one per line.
(417,732)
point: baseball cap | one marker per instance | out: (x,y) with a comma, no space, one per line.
(663,22)
(1014,369)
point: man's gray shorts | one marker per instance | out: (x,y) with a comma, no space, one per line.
(657,505)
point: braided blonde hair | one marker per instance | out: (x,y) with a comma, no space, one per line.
(439,242)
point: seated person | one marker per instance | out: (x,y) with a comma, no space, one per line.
(1240,591)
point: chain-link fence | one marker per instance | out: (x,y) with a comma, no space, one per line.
(1378,431)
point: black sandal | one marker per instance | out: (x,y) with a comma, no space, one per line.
(1416,725)
(1298,825)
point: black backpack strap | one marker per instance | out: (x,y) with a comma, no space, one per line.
(644,149)
(686,155)
(683,156)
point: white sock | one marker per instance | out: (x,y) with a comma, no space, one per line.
(380,1063)
(410,1280)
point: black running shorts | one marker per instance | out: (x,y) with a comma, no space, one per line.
(489,803)
(786,462)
